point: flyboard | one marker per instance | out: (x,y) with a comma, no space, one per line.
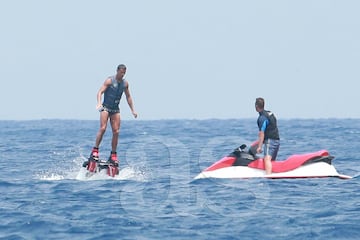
(95,166)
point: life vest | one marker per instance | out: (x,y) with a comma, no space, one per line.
(271,130)
(113,93)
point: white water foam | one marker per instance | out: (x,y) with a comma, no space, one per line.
(77,172)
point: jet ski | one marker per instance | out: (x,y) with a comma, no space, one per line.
(244,163)
(95,165)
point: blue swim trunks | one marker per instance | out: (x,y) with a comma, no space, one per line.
(271,147)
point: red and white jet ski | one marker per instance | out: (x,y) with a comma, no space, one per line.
(245,164)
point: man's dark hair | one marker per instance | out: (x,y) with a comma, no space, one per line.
(121,66)
(260,103)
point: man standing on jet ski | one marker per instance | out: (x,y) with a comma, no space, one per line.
(268,134)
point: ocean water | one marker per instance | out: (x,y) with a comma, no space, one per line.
(155,196)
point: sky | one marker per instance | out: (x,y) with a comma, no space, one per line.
(186,59)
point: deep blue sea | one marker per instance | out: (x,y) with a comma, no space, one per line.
(155,197)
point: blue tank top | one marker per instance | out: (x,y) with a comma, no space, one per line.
(113,93)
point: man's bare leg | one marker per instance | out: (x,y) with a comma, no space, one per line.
(268,164)
(104,115)
(115,126)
